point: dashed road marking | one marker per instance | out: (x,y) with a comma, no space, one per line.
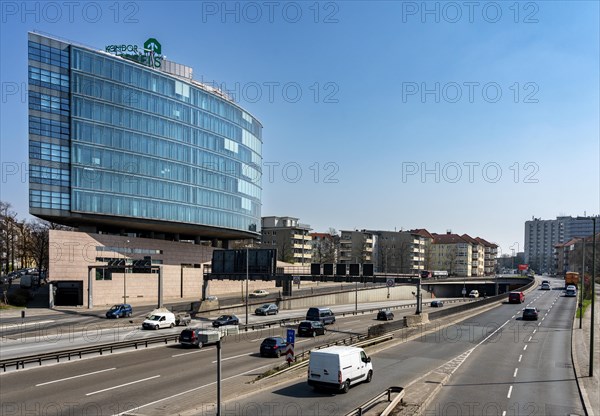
(122,385)
(80,375)
(515,373)
(520,357)
(525,347)
(509,392)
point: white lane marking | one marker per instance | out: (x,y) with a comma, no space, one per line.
(509,392)
(525,347)
(9,326)
(135,409)
(122,385)
(534,331)
(520,357)
(539,323)
(80,375)
(529,340)
(235,356)
(486,338)
(513,316)
(504,413)
(192,352)
(515,373)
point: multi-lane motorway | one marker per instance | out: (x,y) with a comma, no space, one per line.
(509,363)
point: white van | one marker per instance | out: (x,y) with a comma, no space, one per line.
(160,320)
(339,368)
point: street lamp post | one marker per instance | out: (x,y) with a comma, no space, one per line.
(247,278)
(581,283)
(593,288)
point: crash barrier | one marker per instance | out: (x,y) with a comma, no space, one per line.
(387,395)
(19,362)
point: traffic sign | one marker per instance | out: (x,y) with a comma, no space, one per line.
(291,336)
(390,282)
(296,280)
(289,353)
(464,291)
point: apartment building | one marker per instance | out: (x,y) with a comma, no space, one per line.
(291,239)
(401,251)
(324,247)
(477,255)
(490,256)
(356,247)
(452,253)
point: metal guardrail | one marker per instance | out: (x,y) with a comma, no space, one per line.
(359,411)
(19,362)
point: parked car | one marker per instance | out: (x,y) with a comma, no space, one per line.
(436,304)
(545,286)
(273,346)
(530,313)
(516,297)
(474,294)
(226,320)
(338,368)
(385,315)
(160,320)
(323,315)
(120,310)
(267,309)
(311,329)
(260,293)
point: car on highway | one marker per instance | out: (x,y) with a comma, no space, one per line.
(267,309)
(516,297)
(338,368)
(273,346)
(198,337)
(260,293)
(190,337)
(545,286)
(323,315)
(159,320)
(571,291)
(226,320)
(311,329)
(436,304)
(545,281)
(474,293)
(120,310)
(530,314)
(385,315)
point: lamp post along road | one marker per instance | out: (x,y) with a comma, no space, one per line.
(581,282)
(593,289)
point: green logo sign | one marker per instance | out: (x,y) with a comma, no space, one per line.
(151,57)
(152,45)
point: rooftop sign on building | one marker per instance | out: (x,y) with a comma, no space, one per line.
(151,55)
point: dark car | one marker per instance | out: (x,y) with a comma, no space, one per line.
(310,329)
(226,320)
(189,337)
(385,315)
(267,309)
(273,346)
(121,310)
(323,315)
(530,314)
(436,304)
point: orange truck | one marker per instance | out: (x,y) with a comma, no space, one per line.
(571,278)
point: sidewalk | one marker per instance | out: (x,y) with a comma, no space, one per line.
(589,387)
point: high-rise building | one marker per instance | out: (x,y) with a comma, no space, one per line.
(541,237)
(130,150)
(123,141)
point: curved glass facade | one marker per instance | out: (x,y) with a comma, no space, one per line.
(147,145)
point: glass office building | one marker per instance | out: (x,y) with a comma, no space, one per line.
(131,143)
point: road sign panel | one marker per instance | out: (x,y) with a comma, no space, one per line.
(291,336)
(389,282)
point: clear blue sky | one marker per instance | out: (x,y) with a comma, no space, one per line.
(512,132)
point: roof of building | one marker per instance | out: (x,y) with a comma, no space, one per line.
(448,239)
(422,232)
(470,239)
(485,242)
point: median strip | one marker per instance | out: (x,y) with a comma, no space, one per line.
(122,385)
